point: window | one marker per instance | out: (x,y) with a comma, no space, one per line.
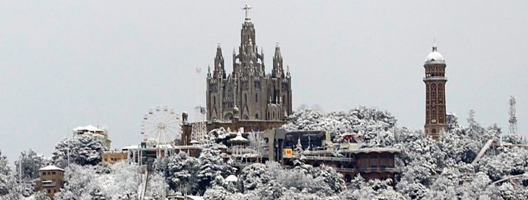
(256,116)
(245,97)
(256,97)
(364,163)
(434,91)
(53,173)
(214,100)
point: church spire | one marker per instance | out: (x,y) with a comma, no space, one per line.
(248,30)
(277,63)
(219,70)
(277,52)
(219,51)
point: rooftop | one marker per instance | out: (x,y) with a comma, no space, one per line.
(435,57)
(50,168)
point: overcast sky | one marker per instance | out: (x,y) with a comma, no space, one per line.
(65,64)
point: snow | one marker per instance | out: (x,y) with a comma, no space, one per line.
(444,169)
(82,150)
(434,58)
(238,138)
(88,128)
(131,147)
(231,178)
(51,168)
(195,197)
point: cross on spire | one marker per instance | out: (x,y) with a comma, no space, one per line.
(246,9)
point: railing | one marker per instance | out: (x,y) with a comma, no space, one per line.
(441,78)
(341,159)
(379,169)
(48,183)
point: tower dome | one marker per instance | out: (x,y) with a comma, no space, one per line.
(435,57)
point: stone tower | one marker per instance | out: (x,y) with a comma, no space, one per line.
(255,94)
(435,104)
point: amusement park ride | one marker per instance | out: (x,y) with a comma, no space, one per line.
(161,126)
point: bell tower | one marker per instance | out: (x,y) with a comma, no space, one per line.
(435,103)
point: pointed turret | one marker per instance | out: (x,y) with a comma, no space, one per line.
(219,70)
(277,63)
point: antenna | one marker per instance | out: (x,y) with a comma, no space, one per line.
(513,116)
(198,128)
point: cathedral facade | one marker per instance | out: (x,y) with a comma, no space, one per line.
(248,93)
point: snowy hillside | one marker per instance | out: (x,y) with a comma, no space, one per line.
(444,169)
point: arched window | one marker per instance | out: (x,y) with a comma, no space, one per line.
(256,116)
(433,131)
(433,91)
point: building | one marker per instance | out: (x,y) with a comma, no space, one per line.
(435,101)
(257,95)
(234,124)
(51,180)
(97,131)
(113,156)
(282,143)
(146,153)
(346,158)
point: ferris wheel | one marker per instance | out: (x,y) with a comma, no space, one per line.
(161,126)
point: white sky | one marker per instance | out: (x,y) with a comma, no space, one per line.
(65,64)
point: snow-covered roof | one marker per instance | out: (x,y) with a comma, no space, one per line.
(435,57)
(239,138)
(231,178)
(195,197)
(88,128)
(50,168)
(130,147)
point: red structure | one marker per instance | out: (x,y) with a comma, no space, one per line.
(435,101)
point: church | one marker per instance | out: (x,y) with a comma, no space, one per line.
(248,93)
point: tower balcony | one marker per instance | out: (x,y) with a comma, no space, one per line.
(435,78)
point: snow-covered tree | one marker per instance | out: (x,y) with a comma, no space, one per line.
(211,166)
(257,142)
(370,122)
(118,181)
(31,162)
(81,150)
(5,175)
(180,172)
